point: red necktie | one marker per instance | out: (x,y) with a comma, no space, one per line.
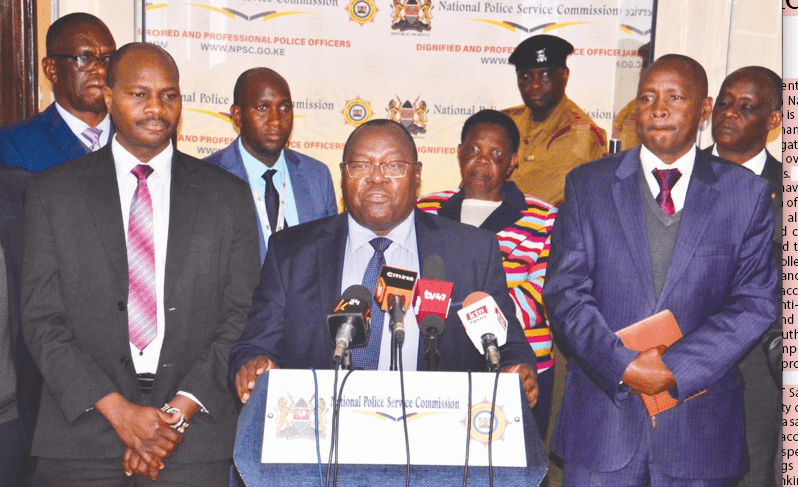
(141,306)
(667,179)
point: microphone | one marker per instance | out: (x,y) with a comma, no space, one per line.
(485,325)
(431,300)
(349,321)
(394,291)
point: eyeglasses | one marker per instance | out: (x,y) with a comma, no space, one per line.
(391,169)
(85,62)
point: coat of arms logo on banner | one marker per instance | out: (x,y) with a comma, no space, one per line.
(411,15)
(296,419)
(412,115)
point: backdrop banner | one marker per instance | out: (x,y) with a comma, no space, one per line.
(429,64)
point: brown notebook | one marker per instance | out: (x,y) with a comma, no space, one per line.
(658,329)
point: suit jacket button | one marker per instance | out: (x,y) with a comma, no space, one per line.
(120,306)
(124,361)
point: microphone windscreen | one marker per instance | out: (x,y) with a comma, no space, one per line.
(431,322)
(474,297)
(433,268)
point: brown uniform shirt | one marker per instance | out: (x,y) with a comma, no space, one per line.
(550,149)
(624,127)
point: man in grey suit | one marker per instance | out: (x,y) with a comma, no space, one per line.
(288,187)
(138,270)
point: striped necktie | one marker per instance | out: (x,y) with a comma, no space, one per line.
(142,310)
(92,134)
(667,180)
(368,358)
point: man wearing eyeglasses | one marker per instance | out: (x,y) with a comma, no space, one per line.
(309,265)
(79,47)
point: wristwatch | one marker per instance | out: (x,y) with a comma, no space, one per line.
(180,425)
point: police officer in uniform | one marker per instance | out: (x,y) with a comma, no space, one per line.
(556,135)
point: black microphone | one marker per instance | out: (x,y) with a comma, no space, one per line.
(393,292)
(431,305)
(349,324)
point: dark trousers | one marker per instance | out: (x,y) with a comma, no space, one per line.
(15,461)
(542,410)
(52,472)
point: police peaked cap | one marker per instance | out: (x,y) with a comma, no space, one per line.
(541,51)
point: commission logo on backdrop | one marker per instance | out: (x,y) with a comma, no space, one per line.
(412,115)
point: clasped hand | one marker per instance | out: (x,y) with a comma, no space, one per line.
(648,374)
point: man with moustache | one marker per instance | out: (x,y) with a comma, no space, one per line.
(307,267)
(138,269)
(79,47)
(661,226)
(556,135)
(747,108)
(289,188)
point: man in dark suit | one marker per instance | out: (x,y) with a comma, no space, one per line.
(132,335)
(79,47)
(19,379)
(747,108)
(658,227)
(308,266)
(289,188)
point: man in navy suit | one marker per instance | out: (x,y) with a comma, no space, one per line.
(308,266)
(289,188)
(748,107)
(79,47)
(635,237)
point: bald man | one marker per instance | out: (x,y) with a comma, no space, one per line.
(79,47)
(132,345)
(288,188)
(747,108)
(659,227)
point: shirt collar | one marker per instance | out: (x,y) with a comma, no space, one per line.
(77,126)
(756,163)
(684,164)
(403,234)
(124,161)
(255,168)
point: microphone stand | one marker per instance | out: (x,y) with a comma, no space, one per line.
(346,360)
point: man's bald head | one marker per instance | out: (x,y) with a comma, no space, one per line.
(688,66)
(136,49)
(768,80)
(250,75)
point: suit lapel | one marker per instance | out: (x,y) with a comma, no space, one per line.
(62,137)
(631,214)
(331,246)
(300,187)
(698,208)
(185,194)
(98,181)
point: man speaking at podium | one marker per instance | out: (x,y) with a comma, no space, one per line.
(309,265)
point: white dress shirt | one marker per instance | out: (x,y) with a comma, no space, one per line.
(159,183)
(684,164)
(77,126)
(402,254)
(756,163)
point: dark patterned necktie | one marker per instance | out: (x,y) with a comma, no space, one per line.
(272,199)
(141,302)
(667,179)
(368,358)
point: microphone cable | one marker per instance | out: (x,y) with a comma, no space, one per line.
(490,428)
(334,421)
(316,416)
(468,431)
(338,424)
(404,417)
